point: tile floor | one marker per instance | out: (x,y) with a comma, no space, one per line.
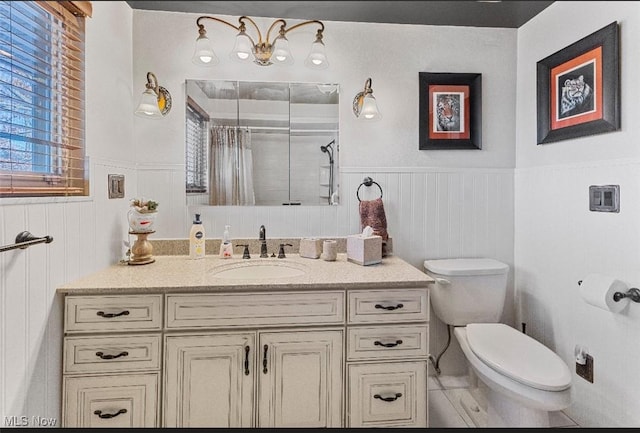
(454,403)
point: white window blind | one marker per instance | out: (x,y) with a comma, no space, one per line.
(196,161)
(42,116)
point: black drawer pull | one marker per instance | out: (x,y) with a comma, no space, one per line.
(109,415)
(264,359)
(110,315)
(394,398)
(389,308)
(397,343)
(103,356)
(246,360)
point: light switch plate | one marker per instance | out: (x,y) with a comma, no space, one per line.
(604,198)
(116,185)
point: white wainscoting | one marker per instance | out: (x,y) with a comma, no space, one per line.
(87,236)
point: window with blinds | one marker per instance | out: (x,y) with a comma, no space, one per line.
(42,120)
(196,162)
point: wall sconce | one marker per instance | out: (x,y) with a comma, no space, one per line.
(264,52)
(155,102)
(364,104)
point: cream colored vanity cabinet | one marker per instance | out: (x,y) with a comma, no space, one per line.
(112,361)
(283,349)
(387,352)
(343,346)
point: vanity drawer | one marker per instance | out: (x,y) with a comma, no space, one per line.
(385,306)
(121,400)
(254,309)
(387,394)
(113,313)
(387,342)
(111,354)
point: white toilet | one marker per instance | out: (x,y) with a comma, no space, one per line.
(525,379)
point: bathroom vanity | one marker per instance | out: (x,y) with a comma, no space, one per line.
(292,342)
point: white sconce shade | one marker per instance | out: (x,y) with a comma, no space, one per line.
(365,105)
(281,52)
(148,106)
(242,49)
(317,58)
(203,54)
(155,101)
(370,108)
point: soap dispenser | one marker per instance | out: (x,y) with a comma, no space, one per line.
(196,239)
(226,248)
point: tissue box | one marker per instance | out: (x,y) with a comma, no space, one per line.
(364,250)
(310,248)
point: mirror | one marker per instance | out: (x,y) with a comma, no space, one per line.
(261,143)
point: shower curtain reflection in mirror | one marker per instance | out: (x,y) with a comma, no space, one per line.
(231,166)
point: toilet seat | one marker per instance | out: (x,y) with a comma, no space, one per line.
(518,356)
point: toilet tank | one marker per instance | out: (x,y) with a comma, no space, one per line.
(467,290)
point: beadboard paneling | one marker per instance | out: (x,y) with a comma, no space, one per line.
(88,235)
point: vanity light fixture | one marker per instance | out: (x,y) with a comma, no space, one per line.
(364,104)
(264,51)
(155,102)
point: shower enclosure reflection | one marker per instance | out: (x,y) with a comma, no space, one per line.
(257,143)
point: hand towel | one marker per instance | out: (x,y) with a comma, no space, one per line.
(372,215)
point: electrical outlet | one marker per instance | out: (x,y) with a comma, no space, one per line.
(586,371)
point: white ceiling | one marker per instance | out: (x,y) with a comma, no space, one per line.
(510,14)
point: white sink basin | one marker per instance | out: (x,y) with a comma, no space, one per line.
(257,270)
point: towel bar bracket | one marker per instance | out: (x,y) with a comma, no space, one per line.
(24,240)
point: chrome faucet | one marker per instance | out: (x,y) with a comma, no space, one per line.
(263,242)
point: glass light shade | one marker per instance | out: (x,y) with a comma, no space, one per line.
(327,89)
(243,48)
(148,106)
(317,58)
(203,54)
(281,52)
(369,110)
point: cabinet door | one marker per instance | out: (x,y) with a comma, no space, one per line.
(122,400)
(209,380)
(300,379)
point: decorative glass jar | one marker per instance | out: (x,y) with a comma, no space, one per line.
(141,222)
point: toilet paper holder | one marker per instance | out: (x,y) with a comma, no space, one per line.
(633,294)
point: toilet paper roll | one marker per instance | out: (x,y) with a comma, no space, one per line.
(598,290)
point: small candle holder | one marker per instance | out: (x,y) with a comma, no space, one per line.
(142,249)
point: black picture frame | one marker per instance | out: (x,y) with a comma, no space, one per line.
(467,133)
(594,59)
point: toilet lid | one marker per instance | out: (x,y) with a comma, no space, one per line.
(465,267)
(518,356)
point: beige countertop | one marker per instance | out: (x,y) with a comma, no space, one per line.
(180,274)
